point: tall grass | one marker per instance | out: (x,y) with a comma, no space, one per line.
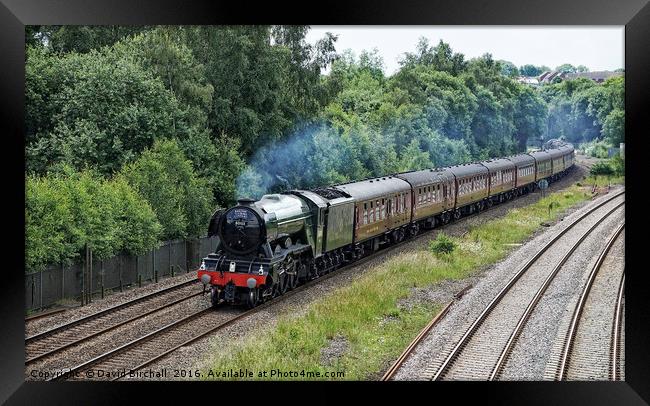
(369,313)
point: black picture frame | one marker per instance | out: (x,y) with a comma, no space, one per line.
(634,14)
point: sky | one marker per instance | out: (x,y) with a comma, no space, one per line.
(596,47)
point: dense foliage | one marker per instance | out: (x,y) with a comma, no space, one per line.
(67,210)
(166,179)
(188,118)
(581,110)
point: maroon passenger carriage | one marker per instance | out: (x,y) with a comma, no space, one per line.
(269,246)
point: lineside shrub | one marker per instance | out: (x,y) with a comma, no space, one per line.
(68,209)
(442,245)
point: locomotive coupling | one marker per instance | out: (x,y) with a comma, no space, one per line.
(205,278)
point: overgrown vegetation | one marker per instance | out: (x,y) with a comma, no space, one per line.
(595,148)
(370,312)
(158,196)
(610,168)
(66,210)
(581,111)
(442,245)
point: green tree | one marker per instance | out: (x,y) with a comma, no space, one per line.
(614,127)
(440,57)
(166,179)
(84,38)
(95,109)
(68,209)
(530,116)
(566,68)
(508,69)
(532,70)
(266,79)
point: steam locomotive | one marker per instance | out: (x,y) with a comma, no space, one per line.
(272,245)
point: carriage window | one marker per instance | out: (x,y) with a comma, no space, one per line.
(365,213)
(377,211)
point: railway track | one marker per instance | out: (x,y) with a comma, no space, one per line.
(145,350)
(398,363)
(483,349)
(617,355)
(167,330)
(44,314)
(57,339)
(588,352)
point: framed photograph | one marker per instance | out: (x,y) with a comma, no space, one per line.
(256,204)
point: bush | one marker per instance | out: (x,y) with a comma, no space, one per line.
(602,168)
(178,196)
(66,210)
(443,244)
(617,164)
(596,149)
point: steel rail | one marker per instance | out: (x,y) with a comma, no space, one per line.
(481,318)
(41,315)
(577,311)
(407,352)
(106,311)
(131,343)
(616,337)
(540,292)
(109,328)
(199,313)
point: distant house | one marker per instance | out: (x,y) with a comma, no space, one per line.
(528,80)
(549,76)
(598,77)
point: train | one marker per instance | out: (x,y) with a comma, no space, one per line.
(272,245)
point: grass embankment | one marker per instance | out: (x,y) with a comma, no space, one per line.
(602,181)
(369,315)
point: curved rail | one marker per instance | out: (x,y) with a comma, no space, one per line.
(616,337)
(540,292)
(488,309)
(407,352)
(577,312)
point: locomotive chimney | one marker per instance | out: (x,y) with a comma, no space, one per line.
(245,201)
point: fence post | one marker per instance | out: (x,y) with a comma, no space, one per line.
(187,266)
(153,263)
(62,281)
(33,290)
(90,277)
(101,275)
(169,263)
(83,277)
